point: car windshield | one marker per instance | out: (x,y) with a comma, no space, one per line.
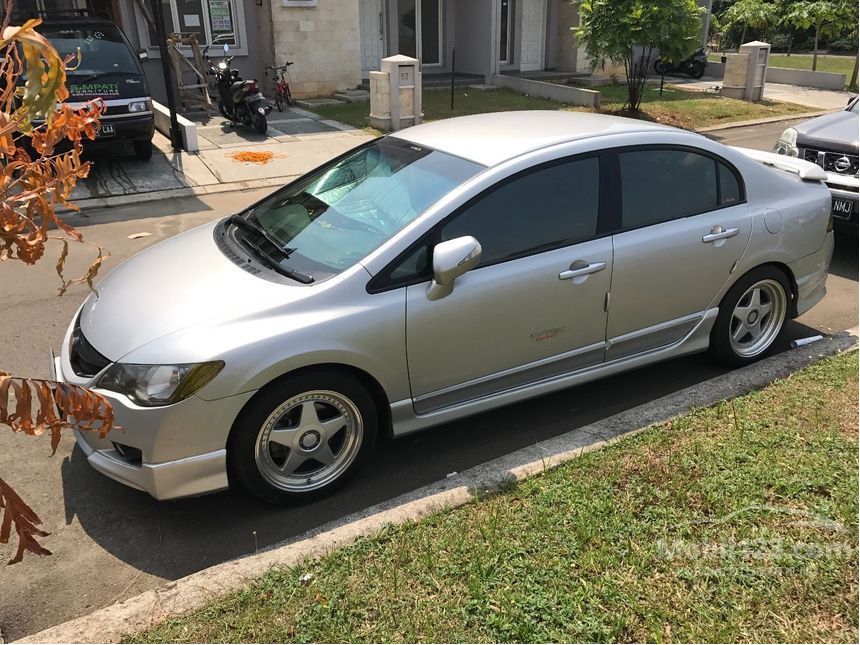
(328,220)
(103,49)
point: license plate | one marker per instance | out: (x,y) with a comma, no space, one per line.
(106,130)
(842,208)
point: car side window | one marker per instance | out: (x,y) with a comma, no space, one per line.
(658,185)
(730,188)
(547,208)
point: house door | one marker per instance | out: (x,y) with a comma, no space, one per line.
(531,40)
(419,30)
(370,23)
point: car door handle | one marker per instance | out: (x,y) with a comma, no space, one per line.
(719,233)
(594,267)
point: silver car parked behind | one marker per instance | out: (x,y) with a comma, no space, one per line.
(435,273)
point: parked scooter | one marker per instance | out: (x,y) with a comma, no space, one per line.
(238,100)
(693,66)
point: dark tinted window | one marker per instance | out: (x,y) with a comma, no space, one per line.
(661,185)
(103,50)
(730,189)
(548,208)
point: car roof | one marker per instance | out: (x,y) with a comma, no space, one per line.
(489,139)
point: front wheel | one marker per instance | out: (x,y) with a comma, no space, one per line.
(258,120)
(751,318)
(302,437)
(697,69)
(279,101)
(143,150)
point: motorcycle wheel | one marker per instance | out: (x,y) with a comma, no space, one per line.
(259,122)
(697,69)
(223,110)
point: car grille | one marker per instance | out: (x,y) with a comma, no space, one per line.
(835,162)
(85,360)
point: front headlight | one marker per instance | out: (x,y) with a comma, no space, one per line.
(154,385)
(787,144)
(138,106)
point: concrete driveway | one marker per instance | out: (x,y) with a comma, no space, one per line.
(111,542)
(299,141)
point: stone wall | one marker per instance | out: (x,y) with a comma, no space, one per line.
(323,42)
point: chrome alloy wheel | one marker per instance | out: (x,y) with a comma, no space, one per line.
(757,318)
(309,441)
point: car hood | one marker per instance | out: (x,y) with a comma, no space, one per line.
(176,284)
(837,131)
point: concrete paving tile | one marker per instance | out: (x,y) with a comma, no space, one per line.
(291,158)
(307,126)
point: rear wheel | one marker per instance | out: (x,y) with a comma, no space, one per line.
(288,95)
(697,69)
(143,150)
(302,437)
(752,317)
(660,66)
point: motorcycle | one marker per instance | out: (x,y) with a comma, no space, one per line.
(239,100)
(693,66)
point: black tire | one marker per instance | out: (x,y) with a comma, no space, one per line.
(697,69)
(279,101)
(659,66)
(722,347)
(259,122)
(288,95)
(249,428)
(143,150)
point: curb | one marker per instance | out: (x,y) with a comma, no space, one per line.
(140,612)
(770,119)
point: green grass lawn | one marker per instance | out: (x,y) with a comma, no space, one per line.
(733,523)
(677,107)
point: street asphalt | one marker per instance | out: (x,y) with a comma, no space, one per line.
(111,542)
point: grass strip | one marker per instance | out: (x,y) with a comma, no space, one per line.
(737,522)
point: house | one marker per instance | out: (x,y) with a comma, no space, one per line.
(335,44)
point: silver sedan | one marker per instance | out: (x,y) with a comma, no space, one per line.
(435,273)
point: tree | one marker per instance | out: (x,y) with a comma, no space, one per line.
(758,14)
(631,32)
(827,17)
(33,185)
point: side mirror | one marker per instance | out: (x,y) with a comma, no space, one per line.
(226,48)
(142,54)
(452,259)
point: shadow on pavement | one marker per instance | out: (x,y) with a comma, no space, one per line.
(173,539)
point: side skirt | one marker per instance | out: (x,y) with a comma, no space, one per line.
(406,421)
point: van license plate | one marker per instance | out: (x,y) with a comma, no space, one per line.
(842,208)
(106,130)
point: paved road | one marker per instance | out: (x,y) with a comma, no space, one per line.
(111,542)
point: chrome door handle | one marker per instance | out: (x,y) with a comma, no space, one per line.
(594,267)
(719,233)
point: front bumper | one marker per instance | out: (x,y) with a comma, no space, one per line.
(127,128)
(844,188)
(810,273)
(181,446)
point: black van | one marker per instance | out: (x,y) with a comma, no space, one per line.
(110,70)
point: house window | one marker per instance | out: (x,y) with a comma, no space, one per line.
(211,21)
(505,31)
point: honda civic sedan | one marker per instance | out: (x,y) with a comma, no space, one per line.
(435,273)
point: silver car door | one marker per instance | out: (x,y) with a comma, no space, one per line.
(524,314)
(685,225)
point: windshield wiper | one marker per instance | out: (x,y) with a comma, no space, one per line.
(272,262)
(253,227)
